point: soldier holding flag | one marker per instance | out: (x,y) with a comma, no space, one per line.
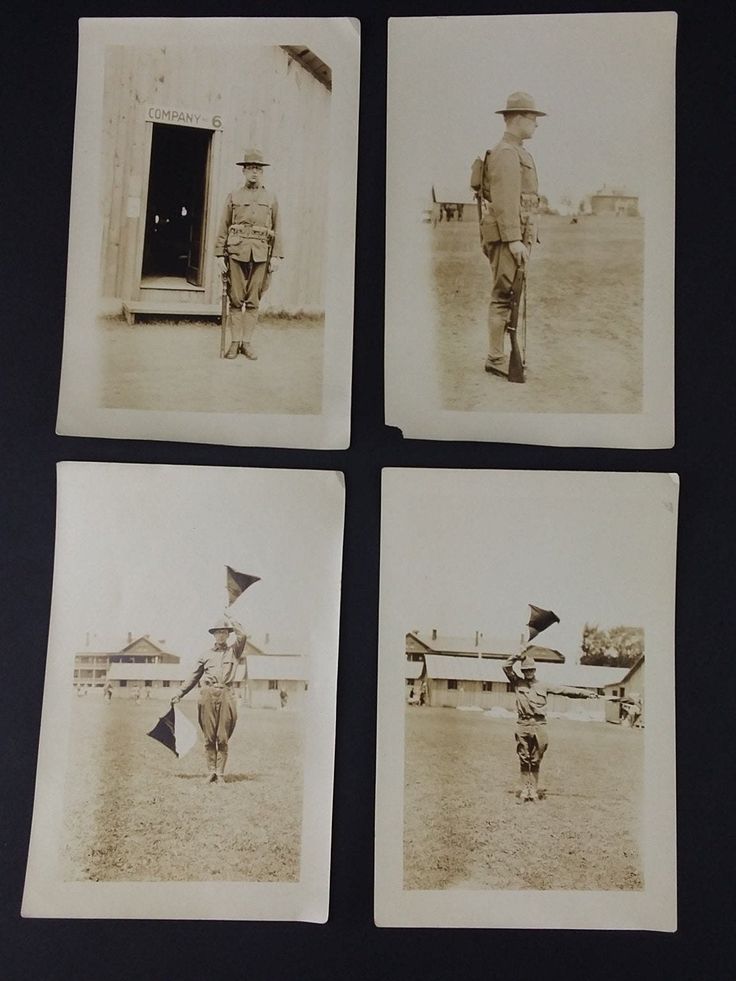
(531,705)
(215,673)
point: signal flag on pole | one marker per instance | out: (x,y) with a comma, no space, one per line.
(539,620)
(237,583)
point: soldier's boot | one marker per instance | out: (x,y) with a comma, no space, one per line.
(523,785)
(496,363)
(221,761)
(237,323)
(250,322)
(211,765)
(534,783)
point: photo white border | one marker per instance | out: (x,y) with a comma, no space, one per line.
(413,396)
(337,42)
(46,894)
(652,908)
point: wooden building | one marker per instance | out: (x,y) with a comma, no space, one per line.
(457,681)
(92,667)
(420,642)
(175,122)
(614,201)
(631,685)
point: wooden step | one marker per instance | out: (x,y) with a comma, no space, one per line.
(169,308)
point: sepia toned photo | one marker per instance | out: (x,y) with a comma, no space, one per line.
(218,167)
(530,213)
(527,673)
(188,720)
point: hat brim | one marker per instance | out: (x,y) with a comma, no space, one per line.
(521,112)
(214,630)
(254,163)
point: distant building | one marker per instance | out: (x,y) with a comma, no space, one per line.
(629,686)
(614,201)
(420,642)
(263,680)
(449,203)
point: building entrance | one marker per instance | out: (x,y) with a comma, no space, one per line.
(176,211)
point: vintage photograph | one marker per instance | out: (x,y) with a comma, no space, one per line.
(189,708)
(530,212)
(527,672)
(216,167)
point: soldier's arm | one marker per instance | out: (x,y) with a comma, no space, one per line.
(193,680)
(505,178)
(508,668)
(277,250)
(571,692)
(222,228)
(238,646)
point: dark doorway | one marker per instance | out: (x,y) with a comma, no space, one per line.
(176,207)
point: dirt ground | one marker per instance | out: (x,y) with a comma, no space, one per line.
(135,812)
(584,312)
(464,827)
(175,365)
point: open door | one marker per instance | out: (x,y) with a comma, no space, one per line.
(176,213)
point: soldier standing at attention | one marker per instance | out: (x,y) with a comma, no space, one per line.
(505,182)
(531,727)
(248,249)
(215,673)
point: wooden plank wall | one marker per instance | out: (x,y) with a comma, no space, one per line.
(265,99)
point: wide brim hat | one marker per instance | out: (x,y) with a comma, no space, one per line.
(528,663)
(521,102)
(252,156)
(221,625)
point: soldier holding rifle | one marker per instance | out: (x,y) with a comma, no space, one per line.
(248,249)
(506,187)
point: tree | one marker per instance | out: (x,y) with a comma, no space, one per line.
(618,647)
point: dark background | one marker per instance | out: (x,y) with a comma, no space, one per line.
(39,69)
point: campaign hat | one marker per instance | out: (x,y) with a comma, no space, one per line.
(221,624)
(521,102)
(252,156)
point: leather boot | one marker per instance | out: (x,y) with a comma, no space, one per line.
(221,761)
(232,351)
(211,765)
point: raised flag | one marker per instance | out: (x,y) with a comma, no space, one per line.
(175,732)
(237,583)
(539,620)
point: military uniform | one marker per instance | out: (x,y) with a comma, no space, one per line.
(248,237)
(506,182)
(217,711)
(531,726)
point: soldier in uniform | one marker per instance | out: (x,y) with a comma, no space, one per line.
(531,710)
(217,711)
(506,184)
(248,249)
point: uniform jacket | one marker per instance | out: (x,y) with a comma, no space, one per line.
(217,666)
(249,224)
(531,695)
(509,191)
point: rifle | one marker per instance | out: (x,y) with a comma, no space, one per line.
(224,313)
(516,358)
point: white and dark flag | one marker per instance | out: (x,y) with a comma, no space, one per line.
(175,732)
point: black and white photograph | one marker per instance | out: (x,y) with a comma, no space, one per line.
(210,272)
(185,762)
(530,228)
(526,700)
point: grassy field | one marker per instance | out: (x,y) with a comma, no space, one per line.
(167,365)
(463,824)
(135,812)
(584,351)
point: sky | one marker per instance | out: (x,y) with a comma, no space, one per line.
(468,550)
(144,549)
(606,82)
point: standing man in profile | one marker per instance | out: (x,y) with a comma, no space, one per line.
(217,711)
(248,249)
(506,187)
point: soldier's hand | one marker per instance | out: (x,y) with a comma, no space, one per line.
(175,699)
(520,252)
(222,265)
(274,263)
